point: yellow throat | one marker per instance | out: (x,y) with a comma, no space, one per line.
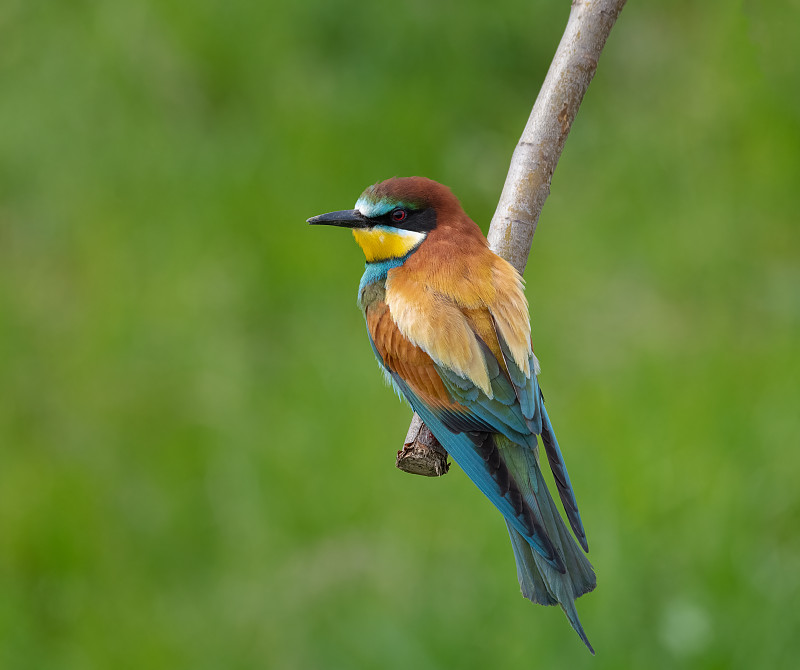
(382,243)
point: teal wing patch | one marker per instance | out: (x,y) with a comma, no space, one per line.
(502,413)
(526,388)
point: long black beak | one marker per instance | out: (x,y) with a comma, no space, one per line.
(347,218)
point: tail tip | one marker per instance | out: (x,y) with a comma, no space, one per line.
(584,639)
(572,616)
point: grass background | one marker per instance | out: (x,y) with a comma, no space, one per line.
(196,448)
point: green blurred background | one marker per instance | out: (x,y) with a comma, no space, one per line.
(196,447)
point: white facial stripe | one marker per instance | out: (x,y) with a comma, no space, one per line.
(410,235)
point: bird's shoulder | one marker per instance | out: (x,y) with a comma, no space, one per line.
(451,296)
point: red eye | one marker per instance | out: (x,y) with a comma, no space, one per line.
(399,215)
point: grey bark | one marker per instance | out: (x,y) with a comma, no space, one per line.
(528,182)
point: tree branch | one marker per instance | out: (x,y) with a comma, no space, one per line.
(528,182)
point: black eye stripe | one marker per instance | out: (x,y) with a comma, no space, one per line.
(417,220)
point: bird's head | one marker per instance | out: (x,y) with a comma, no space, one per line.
(394,217)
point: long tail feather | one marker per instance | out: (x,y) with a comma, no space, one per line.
(539,582)
(560,474)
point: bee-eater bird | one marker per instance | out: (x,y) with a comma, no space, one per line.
(448,322)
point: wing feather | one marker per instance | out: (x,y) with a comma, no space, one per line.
(512,407)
